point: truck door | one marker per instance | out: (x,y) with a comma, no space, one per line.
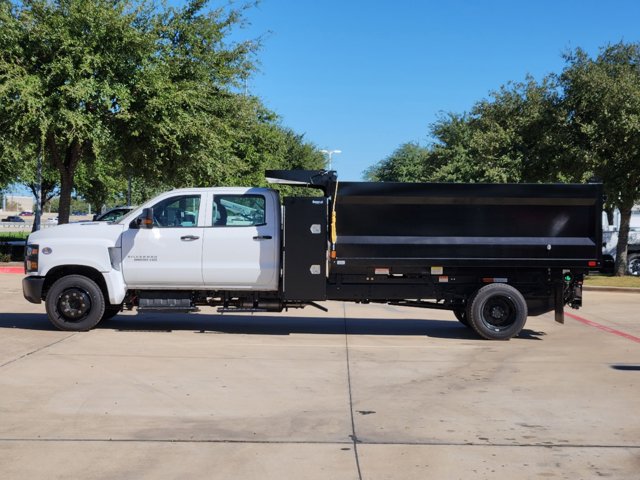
(170,253)
(241,248)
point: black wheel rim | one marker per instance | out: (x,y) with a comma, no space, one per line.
(74,304)
(499,313)
(634,267)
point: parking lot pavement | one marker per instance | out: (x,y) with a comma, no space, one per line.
(374,392)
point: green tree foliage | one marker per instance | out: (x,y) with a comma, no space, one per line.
(65,67)
(100,182)
(602,96)
(50,181)
(512,137)
(406,164)
(570,127)
(108,90)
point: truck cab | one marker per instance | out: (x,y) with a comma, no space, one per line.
(223,238)
(194,239)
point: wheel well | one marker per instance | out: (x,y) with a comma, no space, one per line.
(59,272)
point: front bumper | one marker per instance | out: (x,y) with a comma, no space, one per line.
(32,288)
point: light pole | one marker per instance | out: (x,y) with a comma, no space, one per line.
(329,153)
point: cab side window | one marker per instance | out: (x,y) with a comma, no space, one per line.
(238,210)
(177,212)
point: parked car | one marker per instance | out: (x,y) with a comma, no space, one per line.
(13,218)
(610,242)
(26,213)
(113,215)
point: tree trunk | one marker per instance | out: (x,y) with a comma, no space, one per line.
(66,187)
(623,239)
(609,211)
(47,193)
(67,168)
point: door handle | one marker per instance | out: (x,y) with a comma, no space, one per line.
(189,238)
(262,237)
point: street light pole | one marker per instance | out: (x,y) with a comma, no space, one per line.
(329,154)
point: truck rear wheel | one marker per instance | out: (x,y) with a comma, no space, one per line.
(75,303)
(497,312)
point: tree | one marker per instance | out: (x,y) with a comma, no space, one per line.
(406,164)
(582,123)
(101,182)
(602,98)
(109,80)
(49,185)
(513,136)
(516,135)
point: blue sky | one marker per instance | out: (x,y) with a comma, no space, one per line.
(365,77)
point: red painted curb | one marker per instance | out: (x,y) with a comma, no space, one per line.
(591,323)
(12,270)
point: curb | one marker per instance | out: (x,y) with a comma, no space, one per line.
(611,289)
(12,270)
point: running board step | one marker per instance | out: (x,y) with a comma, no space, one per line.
(158,301)
(169,309)
(242,310)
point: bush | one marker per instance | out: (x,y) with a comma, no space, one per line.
(13,236)
(11,253)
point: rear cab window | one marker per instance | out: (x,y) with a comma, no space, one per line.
(229,210)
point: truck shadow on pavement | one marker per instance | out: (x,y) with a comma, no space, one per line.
(268,325)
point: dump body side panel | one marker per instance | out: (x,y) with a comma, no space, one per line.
(512,225)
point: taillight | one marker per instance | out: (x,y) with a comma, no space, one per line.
(31,259)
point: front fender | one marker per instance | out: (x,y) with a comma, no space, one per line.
(94,256)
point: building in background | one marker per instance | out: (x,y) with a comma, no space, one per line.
(17,203)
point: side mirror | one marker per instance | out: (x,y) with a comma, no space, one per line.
(95,216)
(145,220)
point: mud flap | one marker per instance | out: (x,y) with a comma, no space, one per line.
(559,302)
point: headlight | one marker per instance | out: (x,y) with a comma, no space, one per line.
(31,258)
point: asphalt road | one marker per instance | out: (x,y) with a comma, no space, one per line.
(371,392)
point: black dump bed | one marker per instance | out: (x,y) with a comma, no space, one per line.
(411,224)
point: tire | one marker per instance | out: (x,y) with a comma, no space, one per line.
(75,303)
(111,311)
(633,264)
(497,312)
(461,315)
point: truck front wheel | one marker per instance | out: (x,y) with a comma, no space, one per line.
(497,312)
(75,303)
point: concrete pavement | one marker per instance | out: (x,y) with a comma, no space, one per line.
(364,391)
